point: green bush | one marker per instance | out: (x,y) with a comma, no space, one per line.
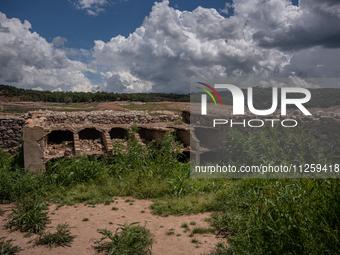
(297,216)
(81,169)
(274,146)
(128,240)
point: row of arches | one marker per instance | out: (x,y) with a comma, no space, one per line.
(58,141)
(60,136)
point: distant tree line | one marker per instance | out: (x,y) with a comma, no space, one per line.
(262,97)
(87,97)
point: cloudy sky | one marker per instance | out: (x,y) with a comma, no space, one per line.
(147,46)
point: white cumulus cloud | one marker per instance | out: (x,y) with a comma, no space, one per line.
(92,7)
(28,60)
(272,39)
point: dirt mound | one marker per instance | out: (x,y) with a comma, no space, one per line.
(112,107)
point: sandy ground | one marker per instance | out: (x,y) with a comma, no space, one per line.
(99,218)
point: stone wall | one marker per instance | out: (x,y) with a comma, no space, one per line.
(49,118)
(10,133)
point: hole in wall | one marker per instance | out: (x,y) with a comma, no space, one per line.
(59,143)
(91,141)
(118,133)
(89,133)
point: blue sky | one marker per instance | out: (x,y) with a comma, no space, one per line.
(62,18)
(147,46)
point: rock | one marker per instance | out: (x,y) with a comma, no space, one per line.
(68,152)
(320,113)
(330,119)
(29,122)
(13,144)
(52,152)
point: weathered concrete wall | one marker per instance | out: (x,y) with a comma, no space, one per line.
(33,148)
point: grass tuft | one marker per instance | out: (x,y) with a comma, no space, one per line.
(203,230)
(29,216)
(7,248)
(62,237)
(129,240)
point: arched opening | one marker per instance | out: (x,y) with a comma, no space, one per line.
(118,133)
(60,136)
(89,134)
(91,141)
(59,143)
(117,136)
(147,135)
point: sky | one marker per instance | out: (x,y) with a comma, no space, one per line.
(126,46)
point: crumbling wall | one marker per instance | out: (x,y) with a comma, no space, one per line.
(61,134)
(98,117)
(10,133)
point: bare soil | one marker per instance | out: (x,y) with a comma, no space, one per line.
(99,218)
(110,106)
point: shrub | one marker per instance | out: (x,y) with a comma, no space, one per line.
(128,240)
(297,216)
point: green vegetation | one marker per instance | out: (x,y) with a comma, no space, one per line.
(69,97)
(6,248)
(194,240)
(203,230)
(129,200)
(184,225)
(62,237)
(128,239)
(29,216)
(278,146)
(256,216)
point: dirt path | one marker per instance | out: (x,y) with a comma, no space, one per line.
(99,218)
